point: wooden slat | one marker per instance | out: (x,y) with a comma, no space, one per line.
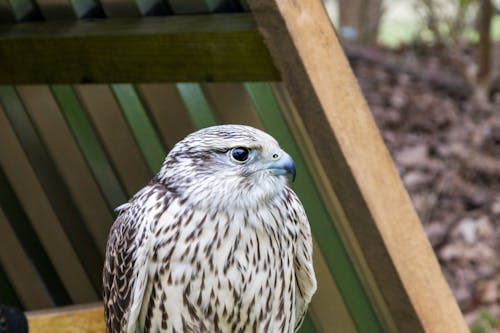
(231,103)
(25,10)
(88,9)
(57,192)
(66,154)
(38,208)
(115,135)
(328,310)
(56,9)
(154,7)
(89,144)
(167,109)
(6,14)
(25,233)
(120,8)
(126,95)
(141,126)
(317,75)
(21,271)
(176,49)
(71,319)
(8,294)
(195,6)
(196,103)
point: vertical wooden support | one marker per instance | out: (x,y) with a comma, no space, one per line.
(414,296)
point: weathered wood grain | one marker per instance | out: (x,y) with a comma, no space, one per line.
(358,167)
(173,48)
(71,319)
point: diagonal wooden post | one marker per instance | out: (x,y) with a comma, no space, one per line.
(413,295)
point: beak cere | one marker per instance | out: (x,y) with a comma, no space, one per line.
(283,166)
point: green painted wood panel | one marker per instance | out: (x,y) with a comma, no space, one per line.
(307,326)
(90,144)
(197,105)
(25,10)
(143,129)
(168,111)
(112,128)
(323,230)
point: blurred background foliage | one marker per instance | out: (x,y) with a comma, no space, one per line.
(430,71)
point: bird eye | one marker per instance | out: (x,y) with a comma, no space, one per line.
(240,154)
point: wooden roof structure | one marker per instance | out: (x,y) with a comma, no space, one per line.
(94,93)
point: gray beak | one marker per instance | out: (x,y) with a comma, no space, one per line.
(283,166)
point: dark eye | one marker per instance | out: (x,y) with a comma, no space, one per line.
(240,154)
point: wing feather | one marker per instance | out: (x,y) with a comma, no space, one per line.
(128,253)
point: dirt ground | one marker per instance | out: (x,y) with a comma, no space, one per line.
(446,145)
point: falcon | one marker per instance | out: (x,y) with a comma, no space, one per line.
(216,242)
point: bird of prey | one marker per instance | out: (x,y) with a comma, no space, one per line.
(216,242)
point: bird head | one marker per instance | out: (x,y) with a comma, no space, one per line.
(227,166)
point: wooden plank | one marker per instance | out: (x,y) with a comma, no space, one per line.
(8,294)
(37,206)
(115,134)
(33,246)
(173,48)
(89,144)
(88,9)
(199,109)
(328,310)
(195,6)
(141,126)
(67,156)
(56,9)
(25,10)
(154,7)
(231,104)
(6,14)
(120,8)
(58,193)
(27,236)
(359,169)
(71,319)
(167,109)
(20,270)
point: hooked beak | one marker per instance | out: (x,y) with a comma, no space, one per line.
(284,165)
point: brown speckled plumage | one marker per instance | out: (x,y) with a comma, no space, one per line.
(212,244)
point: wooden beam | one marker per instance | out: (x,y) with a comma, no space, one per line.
(224,47)
(71,319)
(358,168)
